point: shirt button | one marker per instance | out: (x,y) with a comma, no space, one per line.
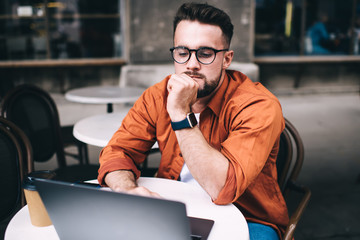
(180,154)
(172,177)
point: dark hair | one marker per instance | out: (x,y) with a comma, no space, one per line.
(207,14)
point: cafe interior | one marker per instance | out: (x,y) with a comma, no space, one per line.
(70,70)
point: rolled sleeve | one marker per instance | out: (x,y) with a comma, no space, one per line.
(253,134)
(130,144)
(227,195)
(112,161)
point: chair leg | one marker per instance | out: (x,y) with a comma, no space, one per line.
(82,156)
(80,151)
(83,153)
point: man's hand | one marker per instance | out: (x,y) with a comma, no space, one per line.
(124,181)
(143,191)
(182,94)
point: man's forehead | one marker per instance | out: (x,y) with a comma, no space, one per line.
(200,34)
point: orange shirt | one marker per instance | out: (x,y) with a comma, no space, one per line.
(243,121)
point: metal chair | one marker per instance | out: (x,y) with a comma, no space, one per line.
(34,111)
(249,69)
(144,75)
(289,163)
(17,47)
(13,169)
(28,162)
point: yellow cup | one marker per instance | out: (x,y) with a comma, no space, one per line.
(38,214)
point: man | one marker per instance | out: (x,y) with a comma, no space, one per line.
(231,153)
(319,35)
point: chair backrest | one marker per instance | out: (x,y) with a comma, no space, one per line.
(28,162)
(249,69)
(144,75)
(289,163)
(34,112)
(11,174)
(17,44)
(39,44)
(291,155)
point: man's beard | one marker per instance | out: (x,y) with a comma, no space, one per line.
(209,87)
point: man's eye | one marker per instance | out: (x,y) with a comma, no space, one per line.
(183,54)
(205,54)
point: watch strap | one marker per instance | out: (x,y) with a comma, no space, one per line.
(189,122)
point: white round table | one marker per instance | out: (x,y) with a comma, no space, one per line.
(97,130)
(104,95)
(229,222)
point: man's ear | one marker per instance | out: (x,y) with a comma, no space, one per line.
(228,58)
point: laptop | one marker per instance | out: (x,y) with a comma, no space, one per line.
(81,211)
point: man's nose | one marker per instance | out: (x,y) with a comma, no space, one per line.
(193,63)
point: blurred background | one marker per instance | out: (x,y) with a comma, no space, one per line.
(303,42)
(307,54)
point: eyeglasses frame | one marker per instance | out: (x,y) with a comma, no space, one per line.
(196,51)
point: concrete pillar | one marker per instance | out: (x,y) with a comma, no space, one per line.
(151,28)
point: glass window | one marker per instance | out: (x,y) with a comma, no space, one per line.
(306,27)
(62,29)
(278,27)
(328,27)
(356,30)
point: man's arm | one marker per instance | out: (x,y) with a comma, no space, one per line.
(207,165)
(124,181)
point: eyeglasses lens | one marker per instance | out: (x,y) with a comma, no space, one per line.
(204,55)
(181,55)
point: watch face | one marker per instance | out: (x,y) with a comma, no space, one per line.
(192,119)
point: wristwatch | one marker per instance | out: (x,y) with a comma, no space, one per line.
(189,122)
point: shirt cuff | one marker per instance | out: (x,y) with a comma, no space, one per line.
(227,194)
(114,165)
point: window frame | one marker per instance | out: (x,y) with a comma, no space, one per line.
(48,61)
(350,56)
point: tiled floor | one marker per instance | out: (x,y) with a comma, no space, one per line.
(330,128)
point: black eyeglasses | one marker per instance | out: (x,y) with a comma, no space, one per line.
(204,55)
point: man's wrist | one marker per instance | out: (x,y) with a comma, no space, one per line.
(177,114)
(188,122)
(120,180)
(178,117)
